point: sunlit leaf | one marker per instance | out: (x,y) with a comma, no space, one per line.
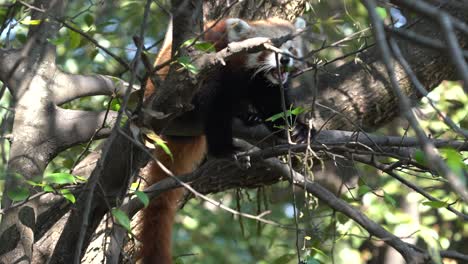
(89,19)
(389,199)
(364,189)
(68,195)
(435,204)
(320,252)
(204,46)
(296,111)
(381,12)
(35,184)
(48,188)
(81,179)
(34,22)
(420,157)
(455,162)
(60,178)
(115,105)
(75,39)
(18,193)
(143,197)
(188,42)
(186,62)
(122,218)
(158,141)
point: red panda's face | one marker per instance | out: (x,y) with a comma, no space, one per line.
(274,66)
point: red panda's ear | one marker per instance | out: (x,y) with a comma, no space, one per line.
(300,23)
(237,29)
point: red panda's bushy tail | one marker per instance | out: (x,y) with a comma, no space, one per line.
(156,230)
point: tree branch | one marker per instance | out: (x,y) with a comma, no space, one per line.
(68,87)
(75,126)
(30,152)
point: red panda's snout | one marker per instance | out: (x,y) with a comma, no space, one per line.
(276,67)
(279,66)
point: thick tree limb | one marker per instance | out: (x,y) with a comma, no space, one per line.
(75,126)
(68,87)
(30,152)
(108,184)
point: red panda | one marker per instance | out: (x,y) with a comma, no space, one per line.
(252,78)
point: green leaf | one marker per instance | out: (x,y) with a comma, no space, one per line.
(389,199)
(134,186)
(435,204)
(68,195)
(48,188)
(364,189)
(115,105)
(143,197)
(75,39)
(381,12)
(455,162)
(204,46)
(188,42)
(320,252)
(275,117)
(35,184)
(21,38)
(28,22)
(186,62)
(81,179)
(3,11)
(296,111)
(161,143)
(18,193)
(158,141)
(121,218)
(89,20)
(60,178)
(420,157)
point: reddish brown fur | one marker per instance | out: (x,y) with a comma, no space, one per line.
(216,34)
(155,234)
(158,217)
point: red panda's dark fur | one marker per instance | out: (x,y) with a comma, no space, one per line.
(218,100)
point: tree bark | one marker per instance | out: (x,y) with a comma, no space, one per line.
(30,151)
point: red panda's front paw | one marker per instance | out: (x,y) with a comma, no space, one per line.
(252,119)
(301,133)
(243,162)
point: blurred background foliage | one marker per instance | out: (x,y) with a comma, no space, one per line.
(207,234)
